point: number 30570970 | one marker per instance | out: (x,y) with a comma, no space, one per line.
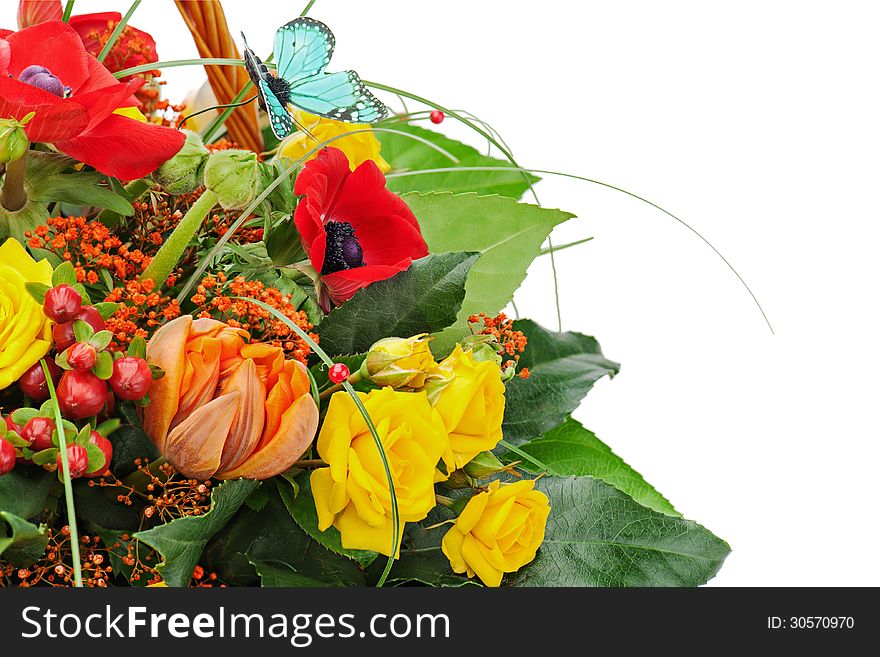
(811,623)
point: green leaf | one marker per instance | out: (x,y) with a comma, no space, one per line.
(278,573)
(302,508)
(422,562)
(181,541)
(564,367)
(598,536)
(24,491)
(106,308)
(64,274)
(22,416)
(101,340)
(27,542)
(37,291)
(423,299)
(570,449)
(46,457)
(103,368)
(82,331)
(98,507)
(97,460)
(507,234)
(407,154)
(283,244)
(137,348)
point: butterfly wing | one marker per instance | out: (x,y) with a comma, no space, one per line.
(341,96)
(279,118)
(303,48)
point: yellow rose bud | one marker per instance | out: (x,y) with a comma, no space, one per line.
(359,146)
(25,332)
(399,362)
(469,396)
(352,494)
(498,532)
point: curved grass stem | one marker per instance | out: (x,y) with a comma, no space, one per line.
(114,36)
(395,512)
(65,472)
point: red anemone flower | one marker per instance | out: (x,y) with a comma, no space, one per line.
(354,230)
(45,69)
(133,47)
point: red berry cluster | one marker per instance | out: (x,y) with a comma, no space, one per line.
(87,378)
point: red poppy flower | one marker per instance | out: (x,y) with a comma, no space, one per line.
(354,230)
(45,69)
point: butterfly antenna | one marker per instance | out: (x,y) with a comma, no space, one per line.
(215,107)
(303,129)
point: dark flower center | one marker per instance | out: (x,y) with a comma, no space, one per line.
(42,78)
(343,249)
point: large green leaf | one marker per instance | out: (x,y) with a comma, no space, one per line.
(302,508)
(563,366)
(49,177)
(24,543)
(598,536)
(24,491)
(508,235)
(570,449)
(181,541)
(423,299)
(406,154)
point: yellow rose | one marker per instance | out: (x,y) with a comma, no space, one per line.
(498,532)
(352,494)
(358,147)
(25,332)
(469,396)
(399,362)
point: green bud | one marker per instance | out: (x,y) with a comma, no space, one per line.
(184,172)
(233,176)
(13,139)
(399,362)
(484,464)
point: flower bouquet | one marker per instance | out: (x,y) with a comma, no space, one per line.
(256,337)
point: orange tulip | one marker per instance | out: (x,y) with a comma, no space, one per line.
(226,409)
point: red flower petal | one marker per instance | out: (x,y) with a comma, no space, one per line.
(342,285)
(31,12)
(102,102)
(54,118)
(54,45)
(124,148)
(5,54)
(101,78)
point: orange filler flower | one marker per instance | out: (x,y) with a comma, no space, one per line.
(225,408)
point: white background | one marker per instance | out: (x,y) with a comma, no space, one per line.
(756,122)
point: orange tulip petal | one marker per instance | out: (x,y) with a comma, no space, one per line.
(200,380)
(298,426)
(195,445)
(166,350)
(246,430)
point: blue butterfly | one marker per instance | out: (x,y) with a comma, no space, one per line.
(303,49)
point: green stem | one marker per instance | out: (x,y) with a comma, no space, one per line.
(172,63)
(568,245)
(354,379)
(226,113)
(395,512)
(171,252)
(65,471)
(68,10)
(14,195)
(117,31)
(528,457)
(308,6)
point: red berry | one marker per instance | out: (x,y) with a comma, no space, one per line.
(338,373)
(105,446)
(12,426)
(437,116)
(62,333)
(7,457)
(81,394)
(33,381)
(62,303)
(131,378)
(82,357)
(77,461)
(38,432)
